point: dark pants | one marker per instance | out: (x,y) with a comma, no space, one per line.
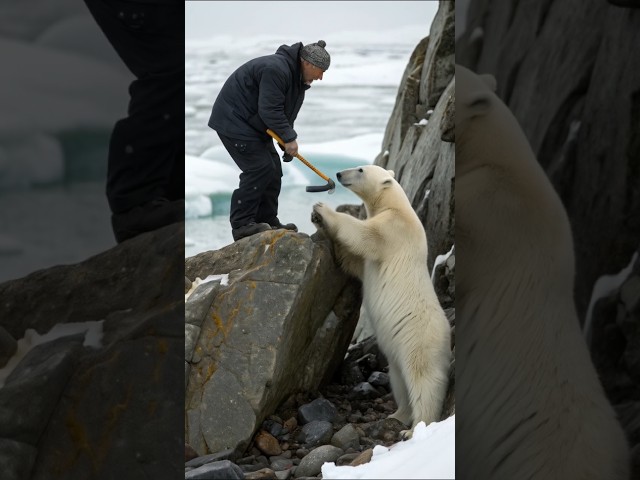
(256,198)
(146,151)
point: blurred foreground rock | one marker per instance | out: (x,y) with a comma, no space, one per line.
(70,411)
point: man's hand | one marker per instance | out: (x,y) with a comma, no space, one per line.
(291,148)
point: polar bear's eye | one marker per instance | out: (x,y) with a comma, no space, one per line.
(360,170)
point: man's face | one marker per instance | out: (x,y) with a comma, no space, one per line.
(310,72)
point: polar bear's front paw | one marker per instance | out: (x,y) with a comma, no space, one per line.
(316,215)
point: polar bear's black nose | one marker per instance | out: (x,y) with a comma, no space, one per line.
(339,175)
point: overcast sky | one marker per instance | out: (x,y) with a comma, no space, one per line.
(300,19)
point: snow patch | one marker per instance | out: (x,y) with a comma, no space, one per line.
(223,279)
(603,287)
(92,338)
(440,258)
(430,454)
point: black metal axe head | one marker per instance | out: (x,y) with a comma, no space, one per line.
(330,187)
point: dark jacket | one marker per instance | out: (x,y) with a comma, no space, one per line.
(266,92)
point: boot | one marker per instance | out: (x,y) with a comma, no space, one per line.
(146,218)
(249,229)
(275,224)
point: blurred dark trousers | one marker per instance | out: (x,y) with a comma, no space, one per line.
(146,151)
(256,198)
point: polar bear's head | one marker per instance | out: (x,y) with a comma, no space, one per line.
(367,181)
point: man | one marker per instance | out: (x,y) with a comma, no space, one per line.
(145,179)
(264,93)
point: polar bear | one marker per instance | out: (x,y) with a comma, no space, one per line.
(388,252)
(528,398)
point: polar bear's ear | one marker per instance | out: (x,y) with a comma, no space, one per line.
(480,104)
(490,81)
(392,173)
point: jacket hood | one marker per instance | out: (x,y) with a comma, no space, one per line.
(291,53)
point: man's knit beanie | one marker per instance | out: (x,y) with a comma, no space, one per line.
(316,54)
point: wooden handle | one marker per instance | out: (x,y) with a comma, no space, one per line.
(275,136)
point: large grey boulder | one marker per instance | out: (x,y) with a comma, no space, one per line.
(72,410)
(277,320)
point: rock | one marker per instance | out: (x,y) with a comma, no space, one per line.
(267,443)
(199,302)
(189,452)
(187,285)
(281,464)
(379,379)
(312,463)
(364,390)
(346,459)
(30,393)
(364,457)
(214,457)
(283,475)
(17,459)
(251,468)
(319,409)
(351,375)
(273,428)
(302,452)
(256,329)
(291,424)
(115,398)
(246,460)
(316,433)
(345,438)
(8,346)
(264,473)
(222,470)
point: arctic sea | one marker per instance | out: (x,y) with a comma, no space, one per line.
(340,125)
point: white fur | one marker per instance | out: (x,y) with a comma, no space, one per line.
(388,251)
(529,401)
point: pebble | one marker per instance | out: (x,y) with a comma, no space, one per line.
(281,464)
(320,409)
(363,390)
(364,457)
(265,473)
(346,459)
(283,474)
(347,437)
(316,433)
(268,444)
(312,463)
(291,424)
(379,379)
(246,460)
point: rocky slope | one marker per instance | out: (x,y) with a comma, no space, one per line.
(564,70)
(71,410)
